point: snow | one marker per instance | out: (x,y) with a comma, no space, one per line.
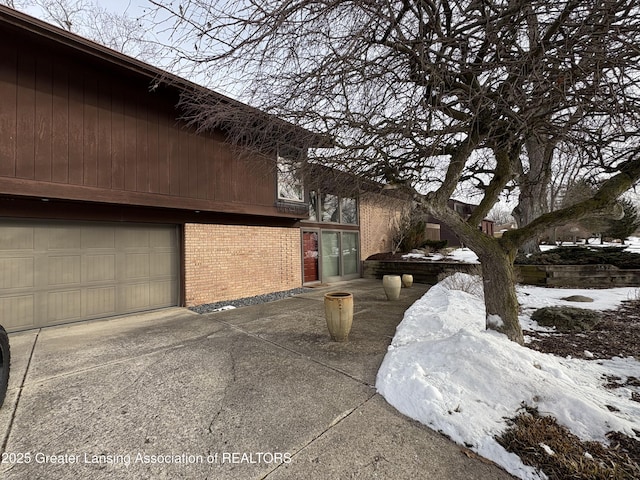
(464,255)
(446,370)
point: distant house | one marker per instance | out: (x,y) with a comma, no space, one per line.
(465,210)
(110,204)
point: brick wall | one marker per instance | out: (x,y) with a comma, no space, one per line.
(379,214)
(225,262)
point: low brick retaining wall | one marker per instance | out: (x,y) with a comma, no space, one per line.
(569,276)
(422,272)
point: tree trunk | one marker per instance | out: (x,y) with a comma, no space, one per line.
(501,302)
(534,189)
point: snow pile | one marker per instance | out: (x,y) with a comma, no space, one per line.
(444,369)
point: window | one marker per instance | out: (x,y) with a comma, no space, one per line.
(330,254)
(290,184)
(348,211)
(349,253)
(329,208)
(330,212)
(313,207)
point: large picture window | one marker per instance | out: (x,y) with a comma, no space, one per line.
(329,208)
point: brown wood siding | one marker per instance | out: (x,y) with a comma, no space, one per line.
(60,131)
(8,110)
(71,122)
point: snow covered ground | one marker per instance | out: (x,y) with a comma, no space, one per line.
(467,256)
(444,369)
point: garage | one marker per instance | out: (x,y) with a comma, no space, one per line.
(57,272)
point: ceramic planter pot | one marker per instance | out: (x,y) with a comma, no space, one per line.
(338,310)
(392,285)
(407,280)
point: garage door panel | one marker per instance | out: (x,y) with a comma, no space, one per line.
(16,272)
(65,305)
(99,268)
(100,301)
(96,237)
(63,270)
(162,293)
(16,237)
(161,238)
(136,265)
(17,311)
(135,297)
(63,238)
(57,272)
(163,263)
(132,237)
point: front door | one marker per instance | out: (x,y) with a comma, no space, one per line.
(310,257)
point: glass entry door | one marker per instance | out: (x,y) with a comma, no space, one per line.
(339,255)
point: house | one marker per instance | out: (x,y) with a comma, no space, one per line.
(110,204)
(464,210)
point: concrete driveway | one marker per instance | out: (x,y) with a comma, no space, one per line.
(256,392)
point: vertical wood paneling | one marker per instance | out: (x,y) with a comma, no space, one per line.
(76,131)
(192,165)
(43,120)
(221,171)
(8,110)
(105,127)
(90,145)
(211,155)
(236,173)
(130,142)
(164,155)
(68,121)
(60,127)
(142,149)
(117,140)
(183,162)
(203,173)
(174,158)
(152,142)
(25,128)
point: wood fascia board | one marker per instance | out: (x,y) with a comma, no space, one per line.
(62,191)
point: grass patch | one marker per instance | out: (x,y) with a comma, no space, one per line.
(551,448)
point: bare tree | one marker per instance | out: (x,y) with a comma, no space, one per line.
(87,18)
(17,4)
(428,95)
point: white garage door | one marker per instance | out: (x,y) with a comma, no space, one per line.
(58,272)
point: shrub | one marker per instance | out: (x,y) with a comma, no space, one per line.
(414,236)
(583,256)
(470,282)
(435,245)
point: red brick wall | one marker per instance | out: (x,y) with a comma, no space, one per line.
(225,262)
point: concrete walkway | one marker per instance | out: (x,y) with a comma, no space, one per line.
(252,393)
